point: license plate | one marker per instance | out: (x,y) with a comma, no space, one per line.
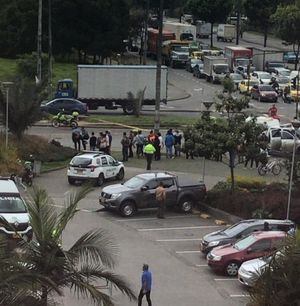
(79,170)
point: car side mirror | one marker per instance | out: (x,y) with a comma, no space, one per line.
(250,250)
(144,188)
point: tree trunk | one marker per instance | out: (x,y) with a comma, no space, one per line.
(265,36)
(232,165)
(297,55)
(211,35)
(232,179)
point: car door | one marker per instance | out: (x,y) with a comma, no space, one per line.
(105,166)
(258,249)
(113,169)
(287,141)
(275,139)
(148,198)
(171,191)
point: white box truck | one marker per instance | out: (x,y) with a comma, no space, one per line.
(226,32)
(203,29)
(263,55)
(108,85)
(183,31)
(215,68)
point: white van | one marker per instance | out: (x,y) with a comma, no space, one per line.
(14,211)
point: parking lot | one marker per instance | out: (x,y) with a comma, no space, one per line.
(170,246)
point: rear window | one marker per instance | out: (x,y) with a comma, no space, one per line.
(81,161)
(12,205)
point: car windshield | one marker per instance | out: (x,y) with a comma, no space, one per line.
(196,61)
(284,72)
(274,65)
(266,88)
(135,182)
(244,243)
(221,69)
(264,76)
(283,80)
(81,161)
(242,62)
(252,83)
(236,76)
(9,204)
(180,49)
(234,229)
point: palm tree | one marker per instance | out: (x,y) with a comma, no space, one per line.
(42,267)
(279,283)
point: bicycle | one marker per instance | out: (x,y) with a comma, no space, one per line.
(273,166)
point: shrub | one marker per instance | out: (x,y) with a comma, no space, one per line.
(9,161)
(249,183)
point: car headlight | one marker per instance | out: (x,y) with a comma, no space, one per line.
(115,196)
(263,95)
(213,243)
(216,258)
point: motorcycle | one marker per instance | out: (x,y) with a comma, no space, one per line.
(62,119)
(27,176)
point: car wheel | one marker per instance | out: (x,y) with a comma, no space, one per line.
(186,205)
(276,169)
(127,209)
(71,181)
(262,170)
(100,180)
(232,268)
(120,175)
(74,124)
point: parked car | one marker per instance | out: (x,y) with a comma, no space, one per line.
(95,166)
(243,70)
(67,105)
(191,63)
(228,258)
(282,72)
(262,76)
(271,65)
(264,93)
(236,78)
(14,211)
(198,71)
(246,85)
(250,270)
(139,193)
(241,230)
(289,57)
(283,82)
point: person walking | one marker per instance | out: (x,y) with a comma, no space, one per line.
(109,141)
(93,142)
(169,143)
(156,145)
(149,150)
(84,137)
(76,135)
(130,137)
(160,195)
(125,147)
(146,280)
(103,143)
(177,143)
(139,141)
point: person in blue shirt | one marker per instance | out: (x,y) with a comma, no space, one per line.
(146,280)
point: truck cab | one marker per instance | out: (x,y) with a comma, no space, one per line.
(282,139)
(65,89)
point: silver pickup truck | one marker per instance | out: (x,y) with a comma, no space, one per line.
(139,193)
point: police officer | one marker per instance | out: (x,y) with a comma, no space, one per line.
(149,151)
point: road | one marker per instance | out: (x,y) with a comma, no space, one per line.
(170,246)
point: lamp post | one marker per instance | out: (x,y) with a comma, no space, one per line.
(6,86)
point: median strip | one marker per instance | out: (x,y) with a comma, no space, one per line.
(187,252)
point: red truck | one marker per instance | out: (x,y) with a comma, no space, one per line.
(153,38)
(238,56)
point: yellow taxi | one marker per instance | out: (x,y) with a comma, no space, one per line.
(196,54)
(244,88)
(295,95)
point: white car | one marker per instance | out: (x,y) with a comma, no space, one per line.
(262,76)
(284,72)
(95,166)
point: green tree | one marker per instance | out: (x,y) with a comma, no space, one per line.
(48,267)
(279,283)
(215,11)
(23,106)
(259,12)
(287,22)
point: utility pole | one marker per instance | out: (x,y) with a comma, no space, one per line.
(39,42)
(238,22)
(50,67)
(145,47)
(158,66)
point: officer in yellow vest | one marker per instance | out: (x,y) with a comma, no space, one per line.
(149,151)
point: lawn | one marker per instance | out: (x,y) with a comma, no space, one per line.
(143,120)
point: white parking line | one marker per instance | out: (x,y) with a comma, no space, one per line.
(225,279)
(187,252)
(151,219)
(179,240)
(176,228)
(239,295)
(201,265)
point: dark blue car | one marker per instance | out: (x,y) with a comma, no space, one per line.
(289,57)
(67,104)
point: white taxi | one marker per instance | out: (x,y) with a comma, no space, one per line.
(95,166)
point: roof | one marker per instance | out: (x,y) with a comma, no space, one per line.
(270,221)
(237,48)
(269,234)
(8,186)
(91,154)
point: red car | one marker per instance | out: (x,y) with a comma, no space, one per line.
(264,93)
(229,257)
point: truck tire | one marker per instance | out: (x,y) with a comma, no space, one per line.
(127,209)
(186,204)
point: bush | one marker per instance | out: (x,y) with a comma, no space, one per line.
(249,183)
(9,161)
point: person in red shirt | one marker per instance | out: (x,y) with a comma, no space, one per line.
(273,112)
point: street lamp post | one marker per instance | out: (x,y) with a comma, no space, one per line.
(6,85)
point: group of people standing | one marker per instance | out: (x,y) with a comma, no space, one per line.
(80,136)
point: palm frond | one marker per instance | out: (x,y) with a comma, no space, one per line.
(95,246)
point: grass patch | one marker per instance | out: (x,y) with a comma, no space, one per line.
(143,120)
(48,166)
(8,69)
